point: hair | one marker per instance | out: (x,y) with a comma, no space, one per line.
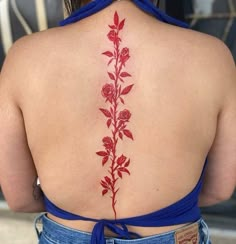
(73,5)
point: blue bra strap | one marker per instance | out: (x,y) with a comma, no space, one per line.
(97,5)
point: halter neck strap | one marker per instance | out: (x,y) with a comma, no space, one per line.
(97,5)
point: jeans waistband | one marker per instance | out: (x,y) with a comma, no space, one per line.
(58,233)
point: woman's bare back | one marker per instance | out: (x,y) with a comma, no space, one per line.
(175,103)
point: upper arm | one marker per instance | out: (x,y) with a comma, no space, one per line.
(17,170)
(220,175)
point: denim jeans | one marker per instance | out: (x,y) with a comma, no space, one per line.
(52,232)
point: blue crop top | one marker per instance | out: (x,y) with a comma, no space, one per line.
(183,211)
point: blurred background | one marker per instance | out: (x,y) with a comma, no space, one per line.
(24,17)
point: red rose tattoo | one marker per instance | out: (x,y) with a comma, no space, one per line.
(112,36)
(124,55)
(108,143)
(116,119)
(108,92)
(124,115)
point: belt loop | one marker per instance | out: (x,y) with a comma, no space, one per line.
(205,230)
(38,220)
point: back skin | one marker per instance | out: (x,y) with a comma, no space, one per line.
(183,106)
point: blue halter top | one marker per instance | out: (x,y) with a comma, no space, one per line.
(97,5)
(183,211)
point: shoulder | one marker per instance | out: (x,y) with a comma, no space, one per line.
(202,61)
(31,52)
(207,49)
(215,58)
(33,45)
(28,58)
(207,58)
(196,49)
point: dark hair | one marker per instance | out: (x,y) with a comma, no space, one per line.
(72,5)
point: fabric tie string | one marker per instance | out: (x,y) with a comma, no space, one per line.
(98,231)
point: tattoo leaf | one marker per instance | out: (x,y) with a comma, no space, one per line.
(109,123)
(127,163)
(108,179)
(106,112)
(105,159)
(124,170)
(104,192)
(119,174)
(128,134)
(116,19)
(125,74)
(108,54)
(112,26)
(112,77)
(127,89)
(110,61)
(101,153)
(121,25)
(122,100)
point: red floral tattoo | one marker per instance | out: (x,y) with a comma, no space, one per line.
(113,92)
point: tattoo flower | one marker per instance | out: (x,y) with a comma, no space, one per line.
(124,55)
(108,143)
(124,115)
(108,91)
(112,36)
